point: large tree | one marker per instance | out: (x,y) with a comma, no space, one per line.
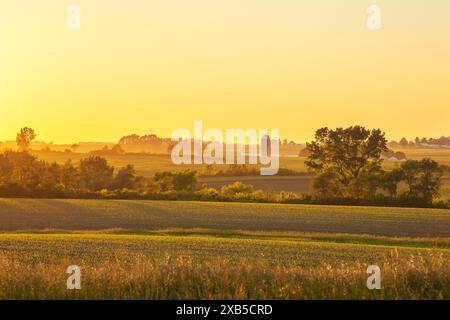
(423,179)
(345,154)
(24,138)
(178,181)
(125,178)
(95,173)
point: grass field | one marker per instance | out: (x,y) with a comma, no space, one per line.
(180,250)
(37,214)
(440,155)
(209,266)
(297,184)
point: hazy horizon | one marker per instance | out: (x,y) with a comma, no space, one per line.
(160,65)
(114,141)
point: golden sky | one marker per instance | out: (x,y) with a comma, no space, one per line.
(152,66)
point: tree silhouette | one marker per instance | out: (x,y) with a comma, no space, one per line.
(345,154)
(24,138)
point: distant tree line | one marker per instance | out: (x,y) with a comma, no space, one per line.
(23,175)
(420,142)
(145,139)
(346,164)
(146,143)
(115,150)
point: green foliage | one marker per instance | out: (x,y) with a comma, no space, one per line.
(95,173)
(288,197)
(207,194)
(365,185)
(326,185)
(22,174)
(125,178)
(70,177)
(345,152)
(347,164)
(178,181)
(390,180)
(236,188)
(423,179)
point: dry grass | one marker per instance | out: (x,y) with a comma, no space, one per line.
(404,277)
(172,264)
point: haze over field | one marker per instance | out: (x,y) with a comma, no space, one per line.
(154,66)
(120,178)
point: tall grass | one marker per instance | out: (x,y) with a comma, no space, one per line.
(403,277)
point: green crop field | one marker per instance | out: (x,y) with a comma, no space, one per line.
(200,250)
(199,265)
(38,214)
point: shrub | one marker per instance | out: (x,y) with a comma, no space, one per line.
(230,190)
(207,193)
